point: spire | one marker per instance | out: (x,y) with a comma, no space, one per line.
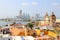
(46,15)
(52,13)
(53,16)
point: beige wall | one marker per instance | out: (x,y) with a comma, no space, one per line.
(41,23)
(57,20)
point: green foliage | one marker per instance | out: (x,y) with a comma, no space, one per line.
(30,25)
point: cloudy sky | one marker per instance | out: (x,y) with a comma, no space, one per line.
(10,8)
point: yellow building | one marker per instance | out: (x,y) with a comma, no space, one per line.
(58,22)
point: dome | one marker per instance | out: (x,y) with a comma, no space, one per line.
(53,16)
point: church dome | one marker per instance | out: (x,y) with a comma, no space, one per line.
(53,16)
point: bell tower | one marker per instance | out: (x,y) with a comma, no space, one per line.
(52,20)
(46,19)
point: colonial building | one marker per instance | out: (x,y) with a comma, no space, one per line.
(48,20)
(53,20)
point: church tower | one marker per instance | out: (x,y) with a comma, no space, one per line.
(52,20)
(46,19)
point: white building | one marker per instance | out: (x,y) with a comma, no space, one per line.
(11,38)
(17,38)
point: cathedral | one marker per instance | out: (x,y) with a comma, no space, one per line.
(48,20)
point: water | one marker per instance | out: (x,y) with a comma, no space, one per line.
(2,23)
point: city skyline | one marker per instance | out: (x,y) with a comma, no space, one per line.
(11,8)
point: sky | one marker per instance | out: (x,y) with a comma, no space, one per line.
(11,8)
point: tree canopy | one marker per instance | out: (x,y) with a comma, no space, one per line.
(30,25)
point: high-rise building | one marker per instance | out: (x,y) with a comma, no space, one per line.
(37,16)
(20,13)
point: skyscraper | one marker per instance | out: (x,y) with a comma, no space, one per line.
(20,14)
(37,16)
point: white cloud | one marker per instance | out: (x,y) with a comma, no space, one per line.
(27,4)
(34,3)
(24,4)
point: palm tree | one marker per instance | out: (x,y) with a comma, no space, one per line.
(30,25)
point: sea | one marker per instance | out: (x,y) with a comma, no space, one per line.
(2,23)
